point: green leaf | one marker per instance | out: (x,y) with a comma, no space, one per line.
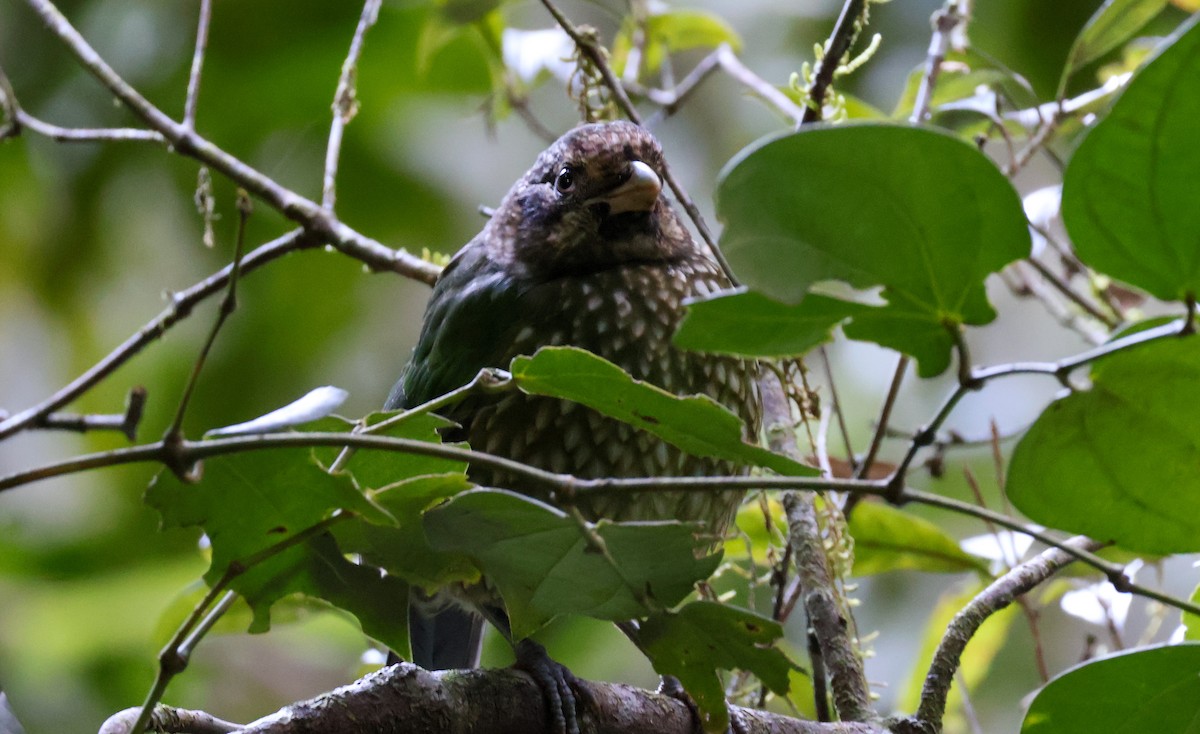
(671,32)
(919,212)
(1154,689)
(682,30)
(318,569)
(249,502)
(887,539)
(375,469)
(976,659)
(697,424)
(1129,191)
(961,78)
(751,324)
(403,549)
(544,566)
(702,637)
(1111,25)
(1121,461)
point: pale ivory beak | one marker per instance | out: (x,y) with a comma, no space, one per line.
(637,194)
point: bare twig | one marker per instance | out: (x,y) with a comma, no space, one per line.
(1075,297)
(169,719)
(725,59)
(183,140)
(945,21)
(127,422)
(174,657)
(193,88)
(1061,370)
(998,595)
(16,119)
(227,307)
(345,102)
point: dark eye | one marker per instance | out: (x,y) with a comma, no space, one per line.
(565,181)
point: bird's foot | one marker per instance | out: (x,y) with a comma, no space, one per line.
(562,690)
(669,685)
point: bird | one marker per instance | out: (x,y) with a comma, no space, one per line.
(586,251)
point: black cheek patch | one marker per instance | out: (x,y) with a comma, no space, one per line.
(627,224)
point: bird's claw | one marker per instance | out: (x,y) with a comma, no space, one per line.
(562,690)
(669,685)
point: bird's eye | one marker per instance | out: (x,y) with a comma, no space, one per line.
(565,181)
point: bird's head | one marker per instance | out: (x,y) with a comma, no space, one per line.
(593,200)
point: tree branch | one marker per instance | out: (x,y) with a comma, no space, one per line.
(836,48)
(831,629)
(406,698)
(183,140)
(193,88)
(998,595)
(345,102)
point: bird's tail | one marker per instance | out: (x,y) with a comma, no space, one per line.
(446,638)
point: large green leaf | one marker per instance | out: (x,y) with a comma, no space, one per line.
(697,424)
(543,565)
(1112,24)
(751,324)
(1129,191)
(249,502)
(1153,689)
(1120,461)
(919,212)
(403,549)
(318,568)
(703,637)
(888,539)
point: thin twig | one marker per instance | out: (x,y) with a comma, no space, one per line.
(562,485)
(86,135)
(724,58)
(227,307)
(1060,370)
(1075,297)
(127,422)
(881,428)
(843,34)
(945,20)
(998,595)
(183,140)
(345,102)
(193,88)
(174,657)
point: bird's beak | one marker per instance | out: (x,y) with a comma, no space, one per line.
(637,193)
